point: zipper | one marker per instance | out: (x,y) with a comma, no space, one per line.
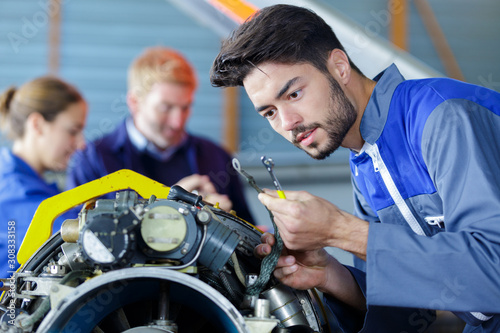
(481,316)
(379,166)
(435,220)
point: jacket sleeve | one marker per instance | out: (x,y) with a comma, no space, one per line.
(376,318)
(457,270)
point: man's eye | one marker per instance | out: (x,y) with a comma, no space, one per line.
(295,94)
(269,114)
(164,108)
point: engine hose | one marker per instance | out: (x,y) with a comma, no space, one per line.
(211,279)
(268,263)
(75,275)
(30,320)
(228,286)
(237,268)
(221,284)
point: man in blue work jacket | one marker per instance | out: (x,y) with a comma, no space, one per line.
(425,161)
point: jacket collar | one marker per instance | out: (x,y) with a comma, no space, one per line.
(375,115)
(14,164)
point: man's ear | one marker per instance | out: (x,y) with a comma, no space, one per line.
(133,103)
(338,65)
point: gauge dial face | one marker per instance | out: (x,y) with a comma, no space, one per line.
(95,249)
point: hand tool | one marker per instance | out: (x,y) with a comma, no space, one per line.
(269,164)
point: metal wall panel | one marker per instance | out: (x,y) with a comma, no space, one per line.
(471,28)
(101,38)
(23,43)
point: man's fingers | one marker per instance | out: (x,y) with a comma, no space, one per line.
(292,195)
(285,261)
(272,193)
(271,202)
(286,265)
(281,273)
(201,183)
(265,248)
(191,182)
(268,238)
(262,250)
(206,186)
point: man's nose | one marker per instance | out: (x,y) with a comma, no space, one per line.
(290,119)
(177,118)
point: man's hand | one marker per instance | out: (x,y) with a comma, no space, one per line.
(200,183)
(313,269)
(307,222)
(299,270)
(205,188)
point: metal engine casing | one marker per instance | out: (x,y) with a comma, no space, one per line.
(154,265)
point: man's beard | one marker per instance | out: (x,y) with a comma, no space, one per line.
(337,123)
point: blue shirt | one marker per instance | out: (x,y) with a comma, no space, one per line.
(21,192)
(144,145)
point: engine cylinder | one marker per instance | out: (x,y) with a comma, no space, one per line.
(120,296)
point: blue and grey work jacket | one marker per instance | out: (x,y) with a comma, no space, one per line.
(428,181)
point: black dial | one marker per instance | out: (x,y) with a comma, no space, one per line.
(108,240)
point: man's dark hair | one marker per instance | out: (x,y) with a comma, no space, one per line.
(283,34)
